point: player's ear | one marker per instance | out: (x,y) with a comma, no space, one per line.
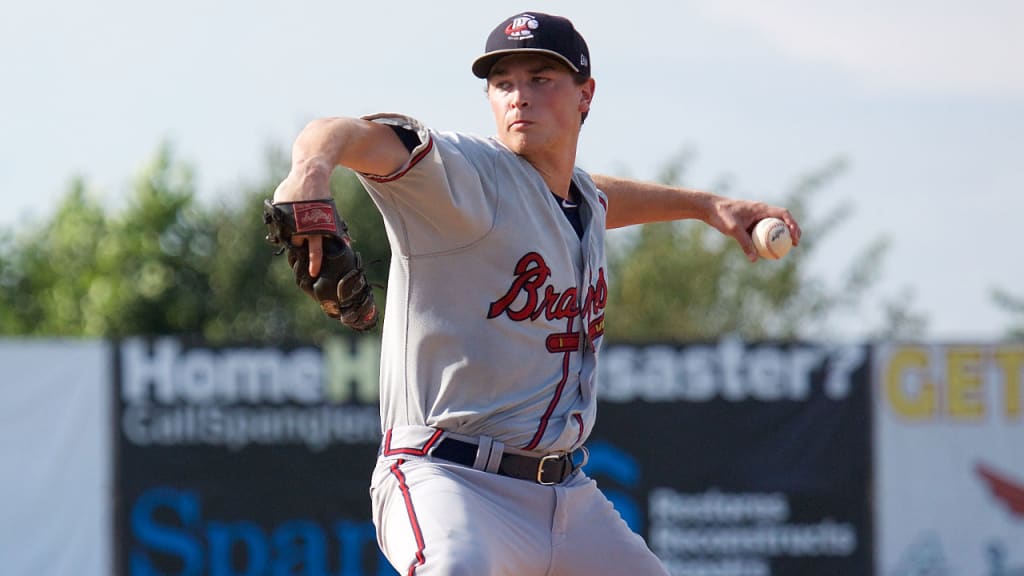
(586,94)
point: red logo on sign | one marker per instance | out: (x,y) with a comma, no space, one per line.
(1009,491)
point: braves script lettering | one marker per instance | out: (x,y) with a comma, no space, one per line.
(537,298)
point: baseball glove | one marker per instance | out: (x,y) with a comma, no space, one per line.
(341,288)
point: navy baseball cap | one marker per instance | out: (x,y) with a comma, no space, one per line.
(535,33)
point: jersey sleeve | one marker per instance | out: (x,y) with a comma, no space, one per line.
(442,198)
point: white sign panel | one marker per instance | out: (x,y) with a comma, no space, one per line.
(55,484)
(949,451)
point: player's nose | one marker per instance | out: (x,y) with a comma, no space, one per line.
(518,97)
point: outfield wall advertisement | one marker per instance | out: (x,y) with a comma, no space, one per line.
(740,459)
(246,461)
(171,457)
(950,459)
(731,458)
(55,458)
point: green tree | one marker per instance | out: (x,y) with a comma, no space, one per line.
(87,273)
(1014,306)
(158,254)
(684,281)
(48,277)
(167,265)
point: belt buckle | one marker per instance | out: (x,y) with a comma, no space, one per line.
(540,468)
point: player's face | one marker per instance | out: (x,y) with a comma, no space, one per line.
(536,104)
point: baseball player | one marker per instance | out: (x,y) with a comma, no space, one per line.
(496,304)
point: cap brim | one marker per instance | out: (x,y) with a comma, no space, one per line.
(482,65)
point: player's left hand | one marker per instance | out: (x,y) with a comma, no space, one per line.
(736,218)
(309,180)
(341,288)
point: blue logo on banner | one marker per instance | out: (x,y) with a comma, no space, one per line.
(168,522)
(608,461)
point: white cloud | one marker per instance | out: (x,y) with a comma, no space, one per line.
(956,46)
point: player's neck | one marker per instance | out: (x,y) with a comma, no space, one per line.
(556,170)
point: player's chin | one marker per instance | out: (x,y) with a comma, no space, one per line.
(520,143)
(514,142)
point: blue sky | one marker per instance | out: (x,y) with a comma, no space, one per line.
(925,101)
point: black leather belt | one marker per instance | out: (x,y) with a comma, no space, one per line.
(547,470)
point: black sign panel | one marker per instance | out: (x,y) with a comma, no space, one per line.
(746,460)
(730,458)
(243,462)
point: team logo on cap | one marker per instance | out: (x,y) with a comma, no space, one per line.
(521,27)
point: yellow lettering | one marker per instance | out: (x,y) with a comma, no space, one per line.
(1011,362)
(910,366)
(964,395)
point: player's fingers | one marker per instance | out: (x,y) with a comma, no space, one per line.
(314,248)
(794,231)
(784,215)
(316,254)
(794,228)
(747,244)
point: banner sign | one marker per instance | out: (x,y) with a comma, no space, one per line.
(731,458)
(740,459)
(55,458)
(246,461)
(950,453)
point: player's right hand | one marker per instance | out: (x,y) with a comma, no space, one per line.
(736,218)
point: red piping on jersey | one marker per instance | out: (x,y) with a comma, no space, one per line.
(554,401)
(413,520)
(579,421)
(416,159)
(410,451)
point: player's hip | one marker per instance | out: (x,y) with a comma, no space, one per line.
(481,453)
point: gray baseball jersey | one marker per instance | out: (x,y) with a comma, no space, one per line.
(495,308)
(495,317)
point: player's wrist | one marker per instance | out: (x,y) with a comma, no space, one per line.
(706,206)
(314,177)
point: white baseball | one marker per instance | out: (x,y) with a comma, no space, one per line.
(771,238)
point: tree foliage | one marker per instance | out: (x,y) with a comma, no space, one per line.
(49,283)
(165,264)
(684,281)
(1014,306)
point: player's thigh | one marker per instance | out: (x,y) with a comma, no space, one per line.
(448,520)
(598,541)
